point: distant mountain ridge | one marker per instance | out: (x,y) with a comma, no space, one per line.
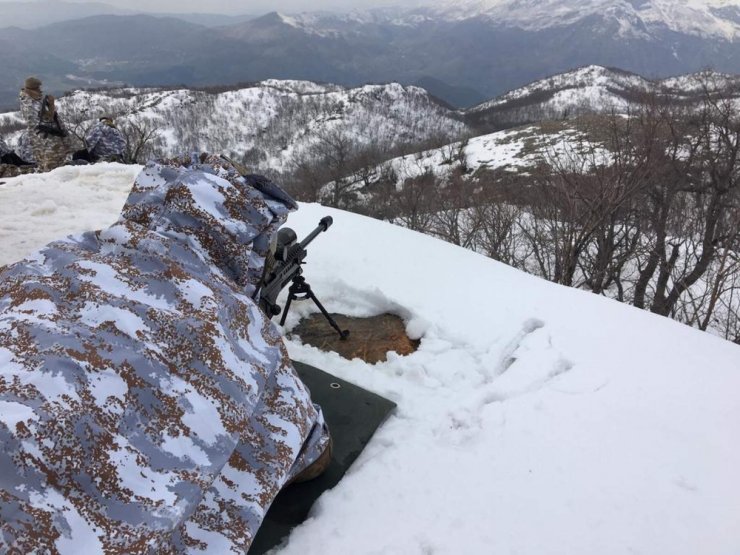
(274,123)
(39,13)
(464,52)
(30,15)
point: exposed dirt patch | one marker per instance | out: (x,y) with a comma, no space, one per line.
(370,338)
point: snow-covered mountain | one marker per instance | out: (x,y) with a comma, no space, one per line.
(533,418)
(272,124)
(629,18)
(501,41)
(591,89)
(275,124)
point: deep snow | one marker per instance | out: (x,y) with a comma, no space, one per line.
(533,419)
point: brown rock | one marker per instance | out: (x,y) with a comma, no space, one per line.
(9,170)
(370,338)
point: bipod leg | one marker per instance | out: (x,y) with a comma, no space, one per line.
(298,287)
(343,334)
(291,296)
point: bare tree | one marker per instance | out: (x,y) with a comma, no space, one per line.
(140,135)
(499,219)
(414,203)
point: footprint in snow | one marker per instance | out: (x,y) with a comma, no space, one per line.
(507,355)
(527,363)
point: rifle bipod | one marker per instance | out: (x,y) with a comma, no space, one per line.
(301,287)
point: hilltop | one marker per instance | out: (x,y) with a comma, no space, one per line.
(533,418)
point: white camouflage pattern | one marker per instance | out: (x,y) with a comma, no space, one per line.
(24,148)
(49,151)
(146,404)
(105,142)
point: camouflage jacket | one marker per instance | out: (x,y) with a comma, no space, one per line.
(30,109)
(146,404)
(105,142)
(49,151)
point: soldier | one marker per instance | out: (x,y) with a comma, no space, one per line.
(105,142)
(49,140)
(148,405)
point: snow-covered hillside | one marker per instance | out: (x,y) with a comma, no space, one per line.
(550,102)
(271,124)
(514,150)
(533,419)
(592,89)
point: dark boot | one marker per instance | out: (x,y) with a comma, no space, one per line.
(316,468)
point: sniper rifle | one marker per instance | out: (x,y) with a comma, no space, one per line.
(290,255)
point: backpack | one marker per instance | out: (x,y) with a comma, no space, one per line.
(49,123)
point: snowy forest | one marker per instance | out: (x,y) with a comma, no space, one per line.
(647,213)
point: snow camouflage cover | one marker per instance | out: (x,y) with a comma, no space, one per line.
(146,404)
(105,142)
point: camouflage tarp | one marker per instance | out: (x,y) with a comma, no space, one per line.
(105,142)
(146,403)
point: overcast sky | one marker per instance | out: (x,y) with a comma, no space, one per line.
(249,6)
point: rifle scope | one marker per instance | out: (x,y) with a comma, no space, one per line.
(287,249)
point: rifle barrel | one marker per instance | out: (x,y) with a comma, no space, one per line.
(324,224)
